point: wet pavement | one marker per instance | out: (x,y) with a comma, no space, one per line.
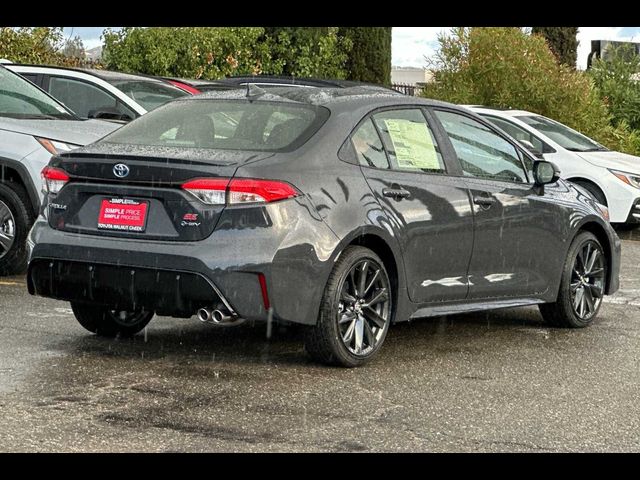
(500,381)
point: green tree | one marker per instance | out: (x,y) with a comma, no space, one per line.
(563,42)
(617,82)
(193,52)
(74,48)
(307,51)
(216,52)
(506,68)
(370,57)
(31,45)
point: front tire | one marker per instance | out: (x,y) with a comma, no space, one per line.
(582,285)
(355,313)
(105,322)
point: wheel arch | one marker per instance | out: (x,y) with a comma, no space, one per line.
(13,171)
(600,233)
(384,245)
(589,181)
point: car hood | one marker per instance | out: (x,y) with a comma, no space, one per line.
(78,132)
(613,160)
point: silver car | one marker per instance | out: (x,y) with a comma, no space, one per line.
(33,127)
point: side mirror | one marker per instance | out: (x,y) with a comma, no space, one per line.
(545,172)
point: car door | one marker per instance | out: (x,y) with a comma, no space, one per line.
(515,226)
(429,211)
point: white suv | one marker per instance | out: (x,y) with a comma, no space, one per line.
(33,127)
(613,178)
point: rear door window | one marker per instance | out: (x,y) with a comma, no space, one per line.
(368,146)
(409,141)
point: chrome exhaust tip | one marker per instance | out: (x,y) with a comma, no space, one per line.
(205,315)
(220,316)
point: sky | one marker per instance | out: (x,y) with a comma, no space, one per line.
(411,44)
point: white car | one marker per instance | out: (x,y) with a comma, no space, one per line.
(613,178)
(33,127)
(100,93)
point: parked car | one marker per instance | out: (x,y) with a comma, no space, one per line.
(33,126)
(101,94)
(344,210)
(612,178)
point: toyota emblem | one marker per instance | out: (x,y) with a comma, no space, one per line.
(120,170)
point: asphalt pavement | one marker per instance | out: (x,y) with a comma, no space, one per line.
(498,381)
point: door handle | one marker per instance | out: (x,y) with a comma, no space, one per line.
(484,201)
(396,193)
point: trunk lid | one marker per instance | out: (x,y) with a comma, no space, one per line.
(151,190)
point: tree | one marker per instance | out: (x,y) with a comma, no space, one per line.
(191,52)
(506,68)
(216,52)
(31,45)
(74,48)
(370,57)
(307,51)
(563,42)
(616,80)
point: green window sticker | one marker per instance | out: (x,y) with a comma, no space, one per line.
(413,145)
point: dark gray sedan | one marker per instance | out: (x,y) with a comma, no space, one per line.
(344,210)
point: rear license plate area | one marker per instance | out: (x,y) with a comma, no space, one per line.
(123,214)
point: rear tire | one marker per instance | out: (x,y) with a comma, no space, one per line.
(355,313)
(16,218)
(105,322)
(581,287)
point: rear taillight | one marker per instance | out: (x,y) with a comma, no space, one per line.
(53,179)
(220,191)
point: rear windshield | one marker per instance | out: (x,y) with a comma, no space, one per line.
(149,94)
(225,125)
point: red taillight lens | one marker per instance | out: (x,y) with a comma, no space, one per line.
(53,179)
(246,190)
(218,191)
(211,191)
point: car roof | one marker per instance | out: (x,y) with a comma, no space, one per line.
(102,74)
(501,112)
(299,81)
(333,97)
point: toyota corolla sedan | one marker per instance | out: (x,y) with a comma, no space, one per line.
(344,210)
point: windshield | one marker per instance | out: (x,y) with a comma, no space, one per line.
(149,94)
(562,135)
(19,98)
(225,125)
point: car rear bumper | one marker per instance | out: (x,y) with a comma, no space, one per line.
(293,255)
(168,292)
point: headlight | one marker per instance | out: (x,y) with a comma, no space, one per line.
(628,178)
(54,147)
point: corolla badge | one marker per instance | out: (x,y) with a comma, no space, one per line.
(120,170)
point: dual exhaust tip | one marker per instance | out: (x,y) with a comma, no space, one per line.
(217,316)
